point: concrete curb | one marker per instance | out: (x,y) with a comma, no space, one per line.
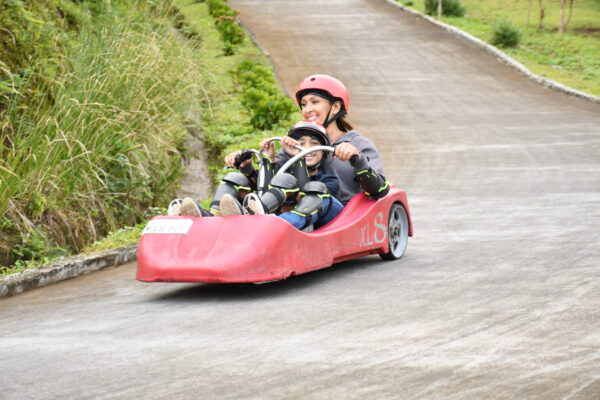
(501,56)
(65,269)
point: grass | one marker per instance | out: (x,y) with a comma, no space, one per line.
(99,141)
(570,58)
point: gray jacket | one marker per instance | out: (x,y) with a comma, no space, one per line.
(345,172)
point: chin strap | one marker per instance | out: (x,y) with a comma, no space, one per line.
(313,168)
(328,121)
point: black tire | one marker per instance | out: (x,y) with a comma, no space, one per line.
(397,233)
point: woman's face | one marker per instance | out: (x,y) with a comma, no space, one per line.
(315,108)
(314,158)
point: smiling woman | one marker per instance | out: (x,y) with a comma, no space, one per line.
(356,161)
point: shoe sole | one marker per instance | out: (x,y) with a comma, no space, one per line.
(189,208)
(229,206)
(255,207)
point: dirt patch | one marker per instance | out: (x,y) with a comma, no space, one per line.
(593,31)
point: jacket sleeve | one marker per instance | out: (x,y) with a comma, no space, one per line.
(372,183)
(332,182)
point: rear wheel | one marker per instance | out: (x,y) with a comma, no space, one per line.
(397,233)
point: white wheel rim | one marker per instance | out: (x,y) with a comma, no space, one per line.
(398,231)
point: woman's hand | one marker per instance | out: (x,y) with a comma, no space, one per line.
(290,145)
(230,160)
(345,151)
(268,149)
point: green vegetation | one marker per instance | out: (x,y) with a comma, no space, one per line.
(95,98)
(450,8)
(232,34)
(231,123)
(570,58)
(505,34)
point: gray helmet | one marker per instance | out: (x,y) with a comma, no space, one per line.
(310,128)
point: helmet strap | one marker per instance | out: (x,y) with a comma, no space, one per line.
(314,167)
(328,121)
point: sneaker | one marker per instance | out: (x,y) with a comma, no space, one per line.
(229,205)
(189,207)
(254,205)
(174,208)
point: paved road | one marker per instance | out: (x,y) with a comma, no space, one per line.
(498,296)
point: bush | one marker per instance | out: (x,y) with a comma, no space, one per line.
(261,96)
(218,8)
(231,33)
(505,34)
(225,20)
(450,8)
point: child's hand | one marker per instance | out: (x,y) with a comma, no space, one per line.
(268,149)
(230,160)
(290,145)
(345,151)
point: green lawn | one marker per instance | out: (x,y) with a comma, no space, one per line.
(571,58)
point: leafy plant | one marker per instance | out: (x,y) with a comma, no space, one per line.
(231,33)
(505,34)
(261,96)
(225,20)
(450,8)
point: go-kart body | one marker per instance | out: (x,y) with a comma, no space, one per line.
(258,248)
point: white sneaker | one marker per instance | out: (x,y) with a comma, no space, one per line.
(189,207)
(254,205)
(174,208)
(229,205)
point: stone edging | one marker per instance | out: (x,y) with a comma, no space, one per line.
(65,269)
(501,56)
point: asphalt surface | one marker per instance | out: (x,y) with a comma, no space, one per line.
(497,297)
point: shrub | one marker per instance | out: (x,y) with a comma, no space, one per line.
(218,8)
(261,96)
(231,33)
(505,34)
(450,8)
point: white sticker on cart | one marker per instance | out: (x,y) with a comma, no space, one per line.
(168,226)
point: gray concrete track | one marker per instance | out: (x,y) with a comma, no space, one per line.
(497,297)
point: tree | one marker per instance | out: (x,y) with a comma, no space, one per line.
(541,24)
(563,25)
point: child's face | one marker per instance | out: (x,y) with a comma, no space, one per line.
(312,158)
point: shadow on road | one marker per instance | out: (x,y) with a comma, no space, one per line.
(250,291)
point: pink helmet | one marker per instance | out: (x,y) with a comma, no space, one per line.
(324,84)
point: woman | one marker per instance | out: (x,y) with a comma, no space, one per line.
(356,161)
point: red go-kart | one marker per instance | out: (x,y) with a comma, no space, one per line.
(262,248)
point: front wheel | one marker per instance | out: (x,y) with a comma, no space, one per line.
(397,233)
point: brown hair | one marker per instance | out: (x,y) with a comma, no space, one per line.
(343,125)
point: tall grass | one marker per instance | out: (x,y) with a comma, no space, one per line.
(101,140)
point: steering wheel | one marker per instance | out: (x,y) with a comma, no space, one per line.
(303,152)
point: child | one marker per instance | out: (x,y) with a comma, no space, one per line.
(315,204)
